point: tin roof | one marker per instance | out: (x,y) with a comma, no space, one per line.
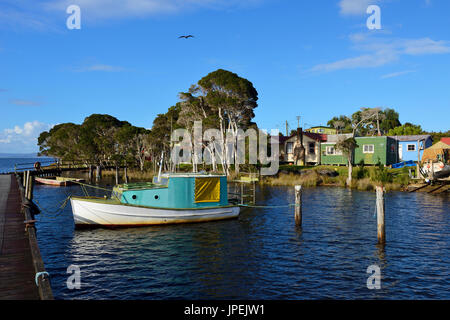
(411,138)
(338,137)
(446,140)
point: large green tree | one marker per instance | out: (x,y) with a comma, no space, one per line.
(406,129)
(233,100)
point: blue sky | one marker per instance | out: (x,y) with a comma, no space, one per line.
(314,59)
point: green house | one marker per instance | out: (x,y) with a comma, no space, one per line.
(329,155)
(370,151)
(374,150)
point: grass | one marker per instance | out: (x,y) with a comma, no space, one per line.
(364,177)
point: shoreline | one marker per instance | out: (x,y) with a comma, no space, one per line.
(364,178)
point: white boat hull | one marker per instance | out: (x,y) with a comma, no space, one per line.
(87,213)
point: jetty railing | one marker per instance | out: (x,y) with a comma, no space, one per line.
(41,276)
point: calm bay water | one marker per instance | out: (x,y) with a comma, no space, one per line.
(260,255)
(7,164)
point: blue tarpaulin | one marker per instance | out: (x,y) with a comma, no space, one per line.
(409,163)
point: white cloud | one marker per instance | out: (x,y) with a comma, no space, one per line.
(100,67)
(106,9)
(396,74)
(355,7)
(46,15)
(382,51)
(22,139)
(22,102)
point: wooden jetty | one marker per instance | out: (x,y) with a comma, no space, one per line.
(439,187)
(22,273)
(46,169)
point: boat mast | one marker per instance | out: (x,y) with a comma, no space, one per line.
(160,166)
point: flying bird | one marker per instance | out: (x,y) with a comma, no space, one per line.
(188,36)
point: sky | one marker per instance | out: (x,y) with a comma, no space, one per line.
(313,59)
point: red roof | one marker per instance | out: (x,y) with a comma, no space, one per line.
(446,140)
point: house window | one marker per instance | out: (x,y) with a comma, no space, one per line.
(289,147)
(320,131)
(368,148)
(330,151)
(312,148)
(411,147)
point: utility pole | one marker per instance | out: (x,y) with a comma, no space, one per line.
(287,132)
(298,121)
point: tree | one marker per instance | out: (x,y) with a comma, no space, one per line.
(131,143)
(98,139)
(391,120)
(233,99)
(342,124)
(367,121)
(348,147)
(406,130)
(62,141)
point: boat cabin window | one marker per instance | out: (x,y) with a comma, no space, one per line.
(163,181)
(207,189)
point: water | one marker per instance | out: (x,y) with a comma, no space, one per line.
(7,164)
(261,255)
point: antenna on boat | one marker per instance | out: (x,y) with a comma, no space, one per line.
(160,166)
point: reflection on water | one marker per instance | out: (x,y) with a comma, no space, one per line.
(261,255)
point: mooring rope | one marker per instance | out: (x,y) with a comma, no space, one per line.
(61,205)
(269,207)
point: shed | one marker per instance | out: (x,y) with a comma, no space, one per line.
(440,151)
(375,150)
(411,147)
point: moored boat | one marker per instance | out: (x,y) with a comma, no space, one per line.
(174,198)
(57,181)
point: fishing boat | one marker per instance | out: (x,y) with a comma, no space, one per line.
(170,198)
(436,161)
(57,181)
(435,170)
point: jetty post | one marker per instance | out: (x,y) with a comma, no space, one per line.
(380,215)
(98,174)
(298,205)
(117,175)
(91,172)
(125,174)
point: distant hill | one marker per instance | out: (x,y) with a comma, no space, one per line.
(20,155)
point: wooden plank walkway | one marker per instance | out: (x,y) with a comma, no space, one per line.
(17,272)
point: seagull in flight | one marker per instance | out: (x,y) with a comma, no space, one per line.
(188,36)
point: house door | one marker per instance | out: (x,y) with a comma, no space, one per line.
(400,152)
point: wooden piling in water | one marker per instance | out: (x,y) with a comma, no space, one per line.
(117,175)
(298,206)
(91,172)
(380,215)
(98,174)
(125,173)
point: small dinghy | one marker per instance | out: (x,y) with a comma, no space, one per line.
(171,198)
(57,181)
